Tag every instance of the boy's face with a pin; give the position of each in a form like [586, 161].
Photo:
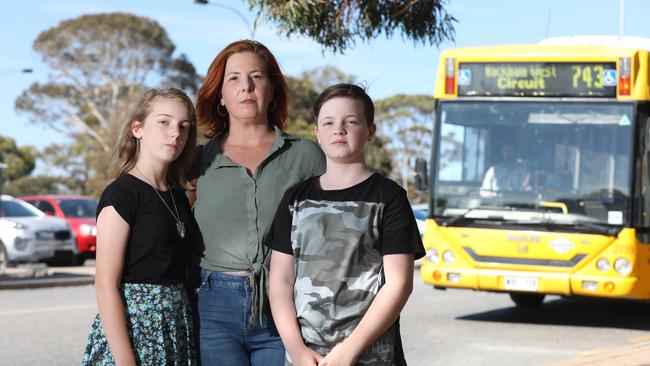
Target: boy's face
[342, 130]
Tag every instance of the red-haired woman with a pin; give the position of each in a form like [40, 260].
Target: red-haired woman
[245, 169]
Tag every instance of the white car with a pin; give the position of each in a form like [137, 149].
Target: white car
[421, 211]
[28, 235]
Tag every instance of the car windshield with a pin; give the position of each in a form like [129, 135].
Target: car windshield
[567, 162]
[78, 207]
[11, 208]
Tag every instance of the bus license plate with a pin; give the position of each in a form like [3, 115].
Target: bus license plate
[520, 283]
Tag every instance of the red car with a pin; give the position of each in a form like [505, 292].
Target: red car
[79, 211]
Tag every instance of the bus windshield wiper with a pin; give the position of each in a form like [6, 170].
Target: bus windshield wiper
[463, 217]
[590, 227]
[583, 226]
[598, 228]
[457, 218]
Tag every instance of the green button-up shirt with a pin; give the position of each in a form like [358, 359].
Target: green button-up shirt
[235, 211]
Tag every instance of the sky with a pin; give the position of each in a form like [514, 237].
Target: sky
[388, 66]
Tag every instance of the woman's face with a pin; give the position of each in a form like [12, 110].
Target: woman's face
[246, 91]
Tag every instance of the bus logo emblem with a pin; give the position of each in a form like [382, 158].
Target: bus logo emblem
[561, 245]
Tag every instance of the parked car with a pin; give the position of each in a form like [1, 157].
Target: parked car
[28, 235]
[420, 211]
[79, 212]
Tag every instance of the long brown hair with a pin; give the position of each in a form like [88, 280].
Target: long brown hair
[209, 95]
[127, 153]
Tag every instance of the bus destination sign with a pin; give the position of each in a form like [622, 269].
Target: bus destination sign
[537, 79]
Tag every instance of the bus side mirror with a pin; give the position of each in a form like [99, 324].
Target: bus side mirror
[421, 175]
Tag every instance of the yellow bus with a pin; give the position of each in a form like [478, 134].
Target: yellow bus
[539, 179]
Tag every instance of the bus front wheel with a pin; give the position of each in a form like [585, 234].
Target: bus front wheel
[527, 300]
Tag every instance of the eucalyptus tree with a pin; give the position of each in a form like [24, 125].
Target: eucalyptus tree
[337, 24]
[406, 121]
[99, 66]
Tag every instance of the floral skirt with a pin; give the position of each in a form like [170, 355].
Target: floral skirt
[159, 323]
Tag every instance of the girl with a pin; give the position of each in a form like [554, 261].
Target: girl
[145, 234]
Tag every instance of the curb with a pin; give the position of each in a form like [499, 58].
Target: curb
[40, 277]
[6, 282]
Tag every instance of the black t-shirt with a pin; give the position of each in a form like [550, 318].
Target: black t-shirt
[398, 232]
[155, 252]
[338, 239]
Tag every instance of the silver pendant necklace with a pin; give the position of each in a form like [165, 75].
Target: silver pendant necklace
[180, 226]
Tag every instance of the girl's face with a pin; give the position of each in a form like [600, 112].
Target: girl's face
[246, 91]
[342, 130]
[164, 131]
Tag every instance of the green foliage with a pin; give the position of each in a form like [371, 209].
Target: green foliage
[77, 162]
[41, 184]
[408, 121]
[100, 66]
[335, 24]
[378, 158]
[20, 161]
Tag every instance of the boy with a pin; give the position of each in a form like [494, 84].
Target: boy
[343, 248]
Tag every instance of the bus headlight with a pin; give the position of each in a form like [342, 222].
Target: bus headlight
[448, 256]
[603, 264]
[623, 266]
[433, 256]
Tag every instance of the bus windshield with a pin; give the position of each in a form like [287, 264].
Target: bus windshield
[526, 161]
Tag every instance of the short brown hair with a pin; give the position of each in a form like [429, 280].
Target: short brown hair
[351, 91]
[209, 95]
[127, 153]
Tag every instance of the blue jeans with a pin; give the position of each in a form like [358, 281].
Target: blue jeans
[226, 336]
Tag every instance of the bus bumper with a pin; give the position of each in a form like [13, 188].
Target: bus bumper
[555, 283]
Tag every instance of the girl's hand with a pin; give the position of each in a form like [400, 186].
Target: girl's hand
[306, 357]
[340, 355]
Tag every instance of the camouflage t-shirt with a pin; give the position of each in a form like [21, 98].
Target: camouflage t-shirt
[338, 238]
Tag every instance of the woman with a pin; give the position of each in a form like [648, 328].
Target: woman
[245, 169]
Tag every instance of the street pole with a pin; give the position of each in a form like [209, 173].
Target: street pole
[241, 16]
[621, 19]
[22, 71]
[3, 166]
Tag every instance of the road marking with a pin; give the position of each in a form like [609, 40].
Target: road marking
[511, 349]
[47, 310]
[638, 339]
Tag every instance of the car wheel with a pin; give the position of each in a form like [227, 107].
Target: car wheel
[79, 259]
[527, 300]
[62, 259]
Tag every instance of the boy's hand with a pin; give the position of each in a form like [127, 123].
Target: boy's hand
[340, 355]
[306, 357]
